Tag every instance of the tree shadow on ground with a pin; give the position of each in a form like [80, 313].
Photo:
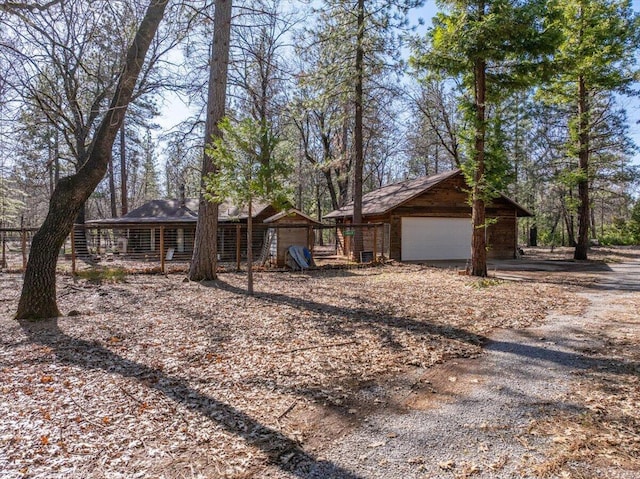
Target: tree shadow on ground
[364, 316]
[281, 451]
[596, 283]
[374, 321]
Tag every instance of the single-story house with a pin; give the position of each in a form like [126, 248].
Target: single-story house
[138, 232]
[430, 219]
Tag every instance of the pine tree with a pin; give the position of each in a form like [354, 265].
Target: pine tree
[597, 54]
[493, 47]
[204, 261]
[242, 174]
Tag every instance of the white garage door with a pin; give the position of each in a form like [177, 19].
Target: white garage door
[436, 238]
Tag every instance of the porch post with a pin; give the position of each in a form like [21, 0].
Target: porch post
[162, 249]
[238, 249]
[375, 244]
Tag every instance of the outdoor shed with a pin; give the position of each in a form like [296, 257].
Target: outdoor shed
[288, 228]
[429, 218]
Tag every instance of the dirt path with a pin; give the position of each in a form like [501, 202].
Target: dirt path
[472, 418]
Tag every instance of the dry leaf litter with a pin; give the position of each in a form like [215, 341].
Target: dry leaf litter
[155, 376]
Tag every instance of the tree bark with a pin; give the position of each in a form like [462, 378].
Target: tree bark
[204, 262]
[478, 215]
[250, 249]
[113, 201]
[38, 297]
[124, 195]
[582, 243]
[358, 135]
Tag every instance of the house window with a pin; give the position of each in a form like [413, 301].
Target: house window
[180, 240]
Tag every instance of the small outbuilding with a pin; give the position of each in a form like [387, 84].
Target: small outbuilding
[288, 228]
[429, 218]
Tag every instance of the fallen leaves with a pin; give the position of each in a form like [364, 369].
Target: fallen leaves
[605, 432]
[447, 465]
[166, 373]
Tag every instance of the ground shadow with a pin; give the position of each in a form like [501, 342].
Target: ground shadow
[361, 316]
[374, 320]
[93, 356]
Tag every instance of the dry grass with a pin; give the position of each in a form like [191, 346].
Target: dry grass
[158, 377]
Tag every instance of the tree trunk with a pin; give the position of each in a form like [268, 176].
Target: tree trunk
[594, 229]
[582, 243]
[335, 202]
[358, 169]
[319, 235]
[124, 195]
[113, 201]
[478, 217]
[250, 250]
[568, 222]
[38, 298]
[205, 262]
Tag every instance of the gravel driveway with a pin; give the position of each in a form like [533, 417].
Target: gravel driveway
[470, 418]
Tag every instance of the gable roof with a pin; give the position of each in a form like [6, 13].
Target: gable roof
[387, 198]
[172, 211]
[290, 212]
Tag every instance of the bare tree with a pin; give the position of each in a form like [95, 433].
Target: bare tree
[38, 298]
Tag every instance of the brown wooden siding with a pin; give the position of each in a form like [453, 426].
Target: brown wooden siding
[450, 199]
[301, 235]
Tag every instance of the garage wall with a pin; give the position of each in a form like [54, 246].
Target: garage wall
[449, 199]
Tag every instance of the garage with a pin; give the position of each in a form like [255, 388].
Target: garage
[435, 238]
[429, 218]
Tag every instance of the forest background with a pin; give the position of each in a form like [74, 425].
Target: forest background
[291, 69]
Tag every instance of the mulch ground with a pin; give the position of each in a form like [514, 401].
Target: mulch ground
[155, 376]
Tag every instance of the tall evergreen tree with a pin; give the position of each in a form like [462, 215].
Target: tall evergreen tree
[597, 54]
[204, 262]
[492, 47]
[362, 40]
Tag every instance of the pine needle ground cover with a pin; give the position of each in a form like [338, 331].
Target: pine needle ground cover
[155, 376]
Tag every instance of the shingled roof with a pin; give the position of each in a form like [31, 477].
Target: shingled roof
[387, 198]
[173, 211]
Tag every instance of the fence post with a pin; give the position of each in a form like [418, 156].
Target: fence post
[238, 237]
[375, 244]
[73, 250]
[23, 234]
[162, 249]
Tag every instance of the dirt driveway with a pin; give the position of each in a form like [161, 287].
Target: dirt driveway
[559, 400]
